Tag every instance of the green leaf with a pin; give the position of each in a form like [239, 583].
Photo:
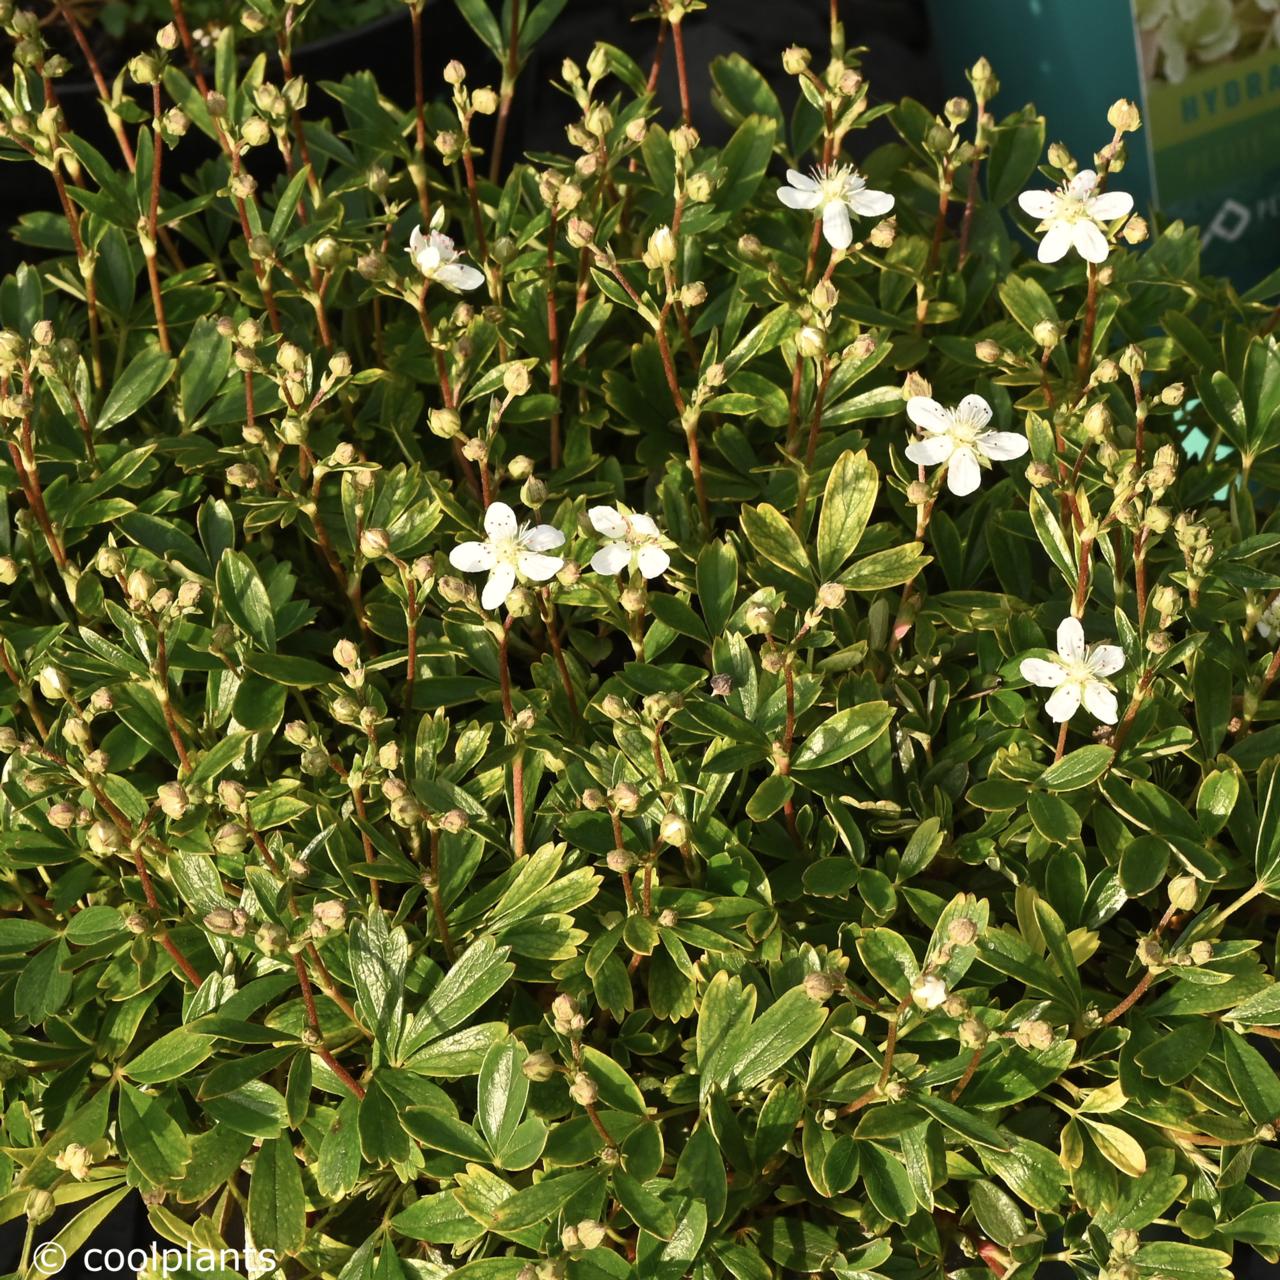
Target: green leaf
[244, 598]
[277, 1206]
[503, 1090]
[1077, 768]
[537, 1203]
[886, 1183]
[777, 1036]
[145, 375]
[157, 1146]
[843, 735]
[646, 1210]
[769, 533]
[1015, 152]
[169, 1057]
[478, 974]
[846, 507]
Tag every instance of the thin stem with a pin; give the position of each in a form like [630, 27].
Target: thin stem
[313, 1022]
[963, 1083]
[815, 426]
[153, 222]
[553, 338]
[1062, 741]
[682, 72]
[553, 635]
[420, 118]
[473, 198]
[1131, 999]
[509, 74]
[517, 763]
[1090, 322]
[166, 704]
[411, 622]
[437, 901]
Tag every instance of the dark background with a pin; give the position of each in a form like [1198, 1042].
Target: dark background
[901, 59]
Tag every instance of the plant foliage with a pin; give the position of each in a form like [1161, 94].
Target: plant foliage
[721, 900]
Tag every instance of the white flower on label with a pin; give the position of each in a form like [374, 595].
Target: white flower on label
[436, 256]
[959, 440]
[929, 992]
[835, 191]
[512, 550]
[634, 542]
[1073, 217]
[1078, 674]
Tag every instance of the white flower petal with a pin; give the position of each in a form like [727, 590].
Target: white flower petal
[1046, 675]
[460, 277]
[499, 586]
[1071, 640]
[1083, 183]
[542, 537]
[538, 568]
[801, 181]
[644, 526]
[931, 451]
[1001, 446]
[612, 558]
[1110, 205]
[1039, 204]
[836, 225]
[608, 521]
[1100, 702]
[974, 410]
[1089, 241]
[1056, 242]
[871, 204]
[653, 562]
[1106, 659]
[929, 414]
[500, 521]
[794, 199]
[964, 474]
[1064, 703]
[472, 557]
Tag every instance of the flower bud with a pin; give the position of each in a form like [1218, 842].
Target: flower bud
[962, 932]
[53, 684]
[172, 799]
[565, 1014]
[1124, 116]
[454, 72]
[928, 991]
[818, 986]
[62, 816]
[760, 619]
[661, 250]
[1034, 1034]
[583, 1090]
[974, 1033]
[230, 839]
[105, 838]
[1201, 952]
[39, 1206]
[329, 915]
[831, 595]
[1136, 230]
[625, 797]
[795, 60]
[884, 233]
[374, 543]
[539, 1067]
[987, 351]
[674, 829]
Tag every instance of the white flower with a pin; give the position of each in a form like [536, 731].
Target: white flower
[511, 550]
[633, 542]
[1270, 620]
[1073, 216]
[835, 191]
[959, 440]
[436, 257]
[75, 1160]
[929, 991]
[1076, 675]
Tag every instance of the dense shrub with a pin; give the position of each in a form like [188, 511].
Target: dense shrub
[540, 744]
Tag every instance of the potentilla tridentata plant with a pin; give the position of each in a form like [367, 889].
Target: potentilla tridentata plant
[657, 711]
